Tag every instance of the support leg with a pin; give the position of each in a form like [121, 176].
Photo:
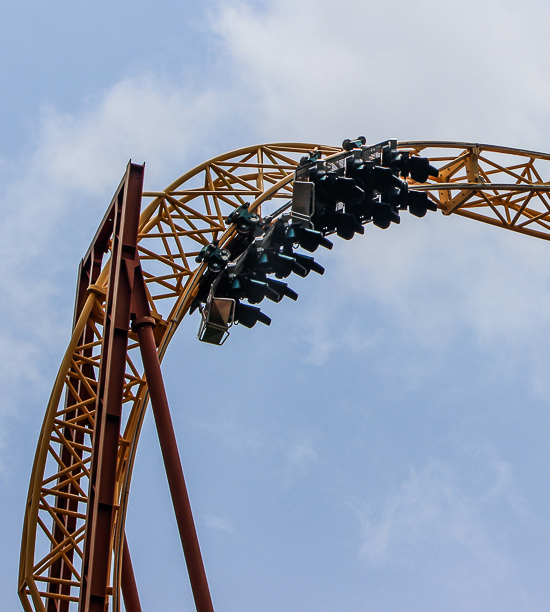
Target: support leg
[172, 464]
[128, 582]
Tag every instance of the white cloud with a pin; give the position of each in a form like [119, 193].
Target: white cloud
[147, 118]
[54, 199]
[301, 454]
[318, 335]
[218, 523]
[436, 520]
[233, 434]
[434, 279]
[320, 70]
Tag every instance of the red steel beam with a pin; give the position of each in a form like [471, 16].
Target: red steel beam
[101, 502]
[128, 582]
[143, 325]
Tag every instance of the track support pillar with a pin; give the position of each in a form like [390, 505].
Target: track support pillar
[101, 512]
[143, 326]
[128, 582]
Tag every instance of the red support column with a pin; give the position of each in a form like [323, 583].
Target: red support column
[128, 582]
[101, 502]
[174, 472]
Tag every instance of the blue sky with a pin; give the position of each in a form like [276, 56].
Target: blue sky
[383, 446]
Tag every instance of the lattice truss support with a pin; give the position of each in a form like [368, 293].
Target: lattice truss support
[500, 186]
[497, 185]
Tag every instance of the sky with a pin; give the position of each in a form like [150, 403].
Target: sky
[383, 445]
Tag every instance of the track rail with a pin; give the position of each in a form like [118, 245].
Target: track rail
[496, 185]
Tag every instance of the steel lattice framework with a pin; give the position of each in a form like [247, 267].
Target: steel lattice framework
[500, 186]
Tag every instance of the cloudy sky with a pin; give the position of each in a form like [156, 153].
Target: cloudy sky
[383, 446]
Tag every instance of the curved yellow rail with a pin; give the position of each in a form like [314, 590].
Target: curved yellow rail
[496, 185]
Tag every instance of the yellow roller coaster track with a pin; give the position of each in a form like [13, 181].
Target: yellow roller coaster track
[497, 185]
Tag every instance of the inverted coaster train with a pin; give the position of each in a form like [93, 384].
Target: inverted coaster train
[74, 553]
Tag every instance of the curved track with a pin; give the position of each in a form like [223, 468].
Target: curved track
[496, 185]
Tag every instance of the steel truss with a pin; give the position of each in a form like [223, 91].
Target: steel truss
[91, 429]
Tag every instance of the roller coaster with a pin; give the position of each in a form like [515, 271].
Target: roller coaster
[224, 232]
